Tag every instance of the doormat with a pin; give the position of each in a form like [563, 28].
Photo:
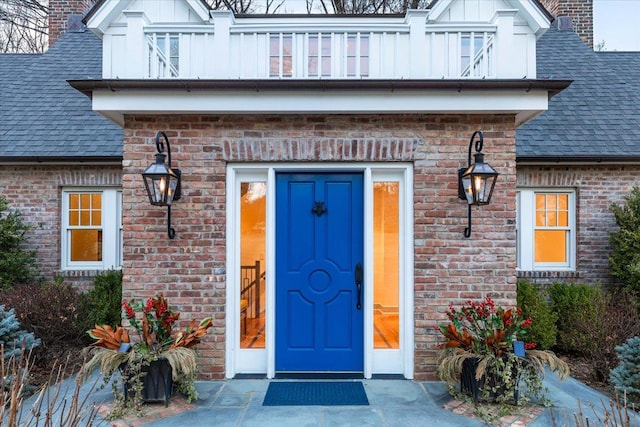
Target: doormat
[315, 393]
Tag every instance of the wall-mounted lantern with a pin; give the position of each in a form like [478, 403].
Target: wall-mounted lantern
[476, 182]
[161, 181]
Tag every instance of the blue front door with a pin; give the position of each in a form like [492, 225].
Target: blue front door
[319, 249]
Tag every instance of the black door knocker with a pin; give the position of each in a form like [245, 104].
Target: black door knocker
[319, 208]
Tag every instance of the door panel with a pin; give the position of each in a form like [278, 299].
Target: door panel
[318, 325]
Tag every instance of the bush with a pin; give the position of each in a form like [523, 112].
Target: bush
[102, 305]
[624, 261]
[16, 264]
[48, 310]
[626, 376]
[574, 305]
[592, 322]
[533, 304]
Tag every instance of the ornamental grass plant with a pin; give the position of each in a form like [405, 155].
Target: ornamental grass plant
[114, 351]
[490, 334]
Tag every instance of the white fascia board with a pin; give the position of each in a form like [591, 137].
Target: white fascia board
[108, 11]
[440, 7]
[200, 9]
[536, 19]
[115, 105]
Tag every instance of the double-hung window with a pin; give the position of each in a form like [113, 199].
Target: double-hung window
[546, 230]
[91, 229]
[281, 55]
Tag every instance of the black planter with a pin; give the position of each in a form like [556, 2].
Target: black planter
[470, 386]
[157, 382]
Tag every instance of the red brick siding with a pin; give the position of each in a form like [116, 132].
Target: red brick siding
[580, 11]
[190, 269]
[597, 187]
[59, 11]
[36, 192]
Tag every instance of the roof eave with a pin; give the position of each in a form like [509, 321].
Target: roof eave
[573, 160]
[189, 85]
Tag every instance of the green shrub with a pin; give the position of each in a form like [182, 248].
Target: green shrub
[574, 305]
[102, 305]
[16, 264]
[626, 376]
[624, 261]
[533, 304]
[592, 322]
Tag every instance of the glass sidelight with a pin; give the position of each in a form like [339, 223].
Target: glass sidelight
[386, 265]
[252, 264]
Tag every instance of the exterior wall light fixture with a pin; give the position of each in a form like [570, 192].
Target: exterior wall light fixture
[476, 181]
[161, 181]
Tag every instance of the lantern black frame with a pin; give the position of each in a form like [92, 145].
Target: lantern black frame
[478, 172]
[171, 190]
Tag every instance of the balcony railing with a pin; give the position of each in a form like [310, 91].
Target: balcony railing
[229, 47]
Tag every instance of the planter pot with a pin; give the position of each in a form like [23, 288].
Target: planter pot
[470, 386]
[157, 383]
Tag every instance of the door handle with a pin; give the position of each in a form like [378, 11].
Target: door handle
[358, 279]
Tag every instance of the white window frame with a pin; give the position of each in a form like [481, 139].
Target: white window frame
[111, 230]
[525, 223]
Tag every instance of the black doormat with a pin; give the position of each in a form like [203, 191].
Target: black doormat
[315, 393]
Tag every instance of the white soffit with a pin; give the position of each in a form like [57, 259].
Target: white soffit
[115, 105]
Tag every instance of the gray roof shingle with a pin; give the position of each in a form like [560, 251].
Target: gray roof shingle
[43, 118]
[598, 117]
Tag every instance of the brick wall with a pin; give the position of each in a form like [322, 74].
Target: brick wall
[59, 11]
[597, 187]
[581, 13]
[36, 192]
[190, 269]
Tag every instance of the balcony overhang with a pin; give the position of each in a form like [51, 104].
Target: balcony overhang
[118, 97]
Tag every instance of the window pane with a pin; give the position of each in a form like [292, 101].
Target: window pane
[96, 217]
[326, 66]
[287, 70]
[351, 45]
[74, 201]
[563, 202]
[386, 266]
[563, 219]
[274, 67]
[540, 202]
[252, 259]
[326, 46]
[274, 46]
[313, 67]
[86, 245]
[540, 219]
[364, 46]
[85, 201]
[85, 217]
[364, 67]
[313, 45]
[550, 246]
[74, 218]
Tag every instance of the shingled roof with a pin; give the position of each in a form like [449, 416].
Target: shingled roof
[44, 119]
[596, 119]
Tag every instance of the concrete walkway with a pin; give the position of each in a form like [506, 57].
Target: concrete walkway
[391, 403]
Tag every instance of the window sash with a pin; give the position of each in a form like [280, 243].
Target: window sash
[537, 223]
[105, 219]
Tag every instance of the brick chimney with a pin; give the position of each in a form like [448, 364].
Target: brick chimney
[59, 13]
[580, 12]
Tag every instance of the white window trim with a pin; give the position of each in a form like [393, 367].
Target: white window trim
[376, 361]
[526, 226]
[111, 230]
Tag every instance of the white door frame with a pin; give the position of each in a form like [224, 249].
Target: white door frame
[376, 361]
